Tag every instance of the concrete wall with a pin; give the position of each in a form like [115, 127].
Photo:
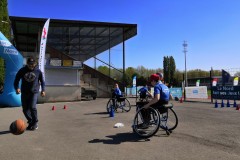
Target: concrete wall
[62, 76]
[61, 93]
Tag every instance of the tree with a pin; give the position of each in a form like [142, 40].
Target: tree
[172, 69]
[116, 75]
[5, 29]
[217, 73]
[104, 70]
[178, 78]
[142, 81]
[4, 19]
[166, 68]
[237, 74]
[130, 73]
[169, 68]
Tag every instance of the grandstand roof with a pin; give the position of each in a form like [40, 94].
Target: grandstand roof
[80, 40]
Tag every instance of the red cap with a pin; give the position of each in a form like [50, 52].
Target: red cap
[154, 77]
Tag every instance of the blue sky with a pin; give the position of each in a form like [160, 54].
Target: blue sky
[210, 27]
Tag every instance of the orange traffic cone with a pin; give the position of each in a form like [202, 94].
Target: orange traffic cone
[65, 107]
[181, 100]
[53, 108]
[237, 108]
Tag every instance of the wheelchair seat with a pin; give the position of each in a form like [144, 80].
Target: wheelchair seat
[121, 99]
[141, 103]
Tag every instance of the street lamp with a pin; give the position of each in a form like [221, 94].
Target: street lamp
[185, 52]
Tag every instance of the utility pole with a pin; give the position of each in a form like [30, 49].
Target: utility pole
[185, 52]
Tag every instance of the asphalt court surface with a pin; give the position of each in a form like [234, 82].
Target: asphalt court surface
[85, 131]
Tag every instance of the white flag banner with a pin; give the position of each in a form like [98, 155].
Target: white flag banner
[41, 60]
[235, 81]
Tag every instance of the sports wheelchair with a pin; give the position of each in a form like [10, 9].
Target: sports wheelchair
[121, 103]
[147, 122]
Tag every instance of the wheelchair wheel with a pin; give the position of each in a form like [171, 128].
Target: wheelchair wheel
[148, 125]
[109, 104]
[126, 106]
[169, 119]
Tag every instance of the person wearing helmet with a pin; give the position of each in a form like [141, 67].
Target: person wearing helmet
[161, 93]
[160, 76]
[116, 94]
[144, 93]
[161, 96]
[161, 81]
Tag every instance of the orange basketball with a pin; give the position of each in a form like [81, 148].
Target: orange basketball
[17, 127]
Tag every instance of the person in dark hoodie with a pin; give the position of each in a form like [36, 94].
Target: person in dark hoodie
[31, 78]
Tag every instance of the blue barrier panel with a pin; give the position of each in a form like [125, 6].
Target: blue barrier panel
[176, 92]
[13, 62]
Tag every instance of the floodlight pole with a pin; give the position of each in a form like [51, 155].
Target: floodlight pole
[185, 53]
[124, 76]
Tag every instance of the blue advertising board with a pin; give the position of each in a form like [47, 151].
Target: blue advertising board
[176, 92]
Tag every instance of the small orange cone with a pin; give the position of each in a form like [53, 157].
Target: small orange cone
[238, 107]
[53, 108]
[65, 107]
[181, 100]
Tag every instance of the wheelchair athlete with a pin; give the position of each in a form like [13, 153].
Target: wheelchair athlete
[144, 93]
[116, 94]
[161, 97]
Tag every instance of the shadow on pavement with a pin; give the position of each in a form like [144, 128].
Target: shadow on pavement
[100, 113]
[4, 132]
[120, 138]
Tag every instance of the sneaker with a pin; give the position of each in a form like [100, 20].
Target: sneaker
[29, 127]
[34, 127]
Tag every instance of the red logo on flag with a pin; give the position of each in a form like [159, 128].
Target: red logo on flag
[44, 33]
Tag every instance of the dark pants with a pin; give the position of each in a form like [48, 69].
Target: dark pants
[158, 106]
[29, 101]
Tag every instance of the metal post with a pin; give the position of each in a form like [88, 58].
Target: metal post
[109, 62]
[95, 48]
[124, 81]
[185, 52]
[184, 88]
[211, 74]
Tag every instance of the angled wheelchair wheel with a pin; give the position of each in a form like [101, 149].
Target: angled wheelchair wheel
[109, 104]
[126, 106]
[169, 119]
[146, 122]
